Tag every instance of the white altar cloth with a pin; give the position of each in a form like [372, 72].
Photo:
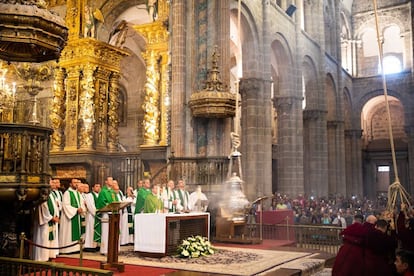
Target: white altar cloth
[151, 230]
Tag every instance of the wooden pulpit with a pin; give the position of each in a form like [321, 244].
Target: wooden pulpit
[113, 235]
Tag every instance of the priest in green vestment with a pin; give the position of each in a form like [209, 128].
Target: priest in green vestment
[105, 197]
[142, 194]
[153, 202]
[70, 222]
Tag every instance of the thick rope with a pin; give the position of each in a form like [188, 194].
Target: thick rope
[48, 247]
[395, 190]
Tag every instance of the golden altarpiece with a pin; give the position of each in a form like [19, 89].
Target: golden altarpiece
[85, 111]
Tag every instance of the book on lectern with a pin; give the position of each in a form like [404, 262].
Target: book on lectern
[114, 206]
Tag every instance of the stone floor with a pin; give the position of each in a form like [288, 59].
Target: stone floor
[314, 263]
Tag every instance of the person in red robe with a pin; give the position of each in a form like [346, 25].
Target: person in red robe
[379, 249]
[350, 257]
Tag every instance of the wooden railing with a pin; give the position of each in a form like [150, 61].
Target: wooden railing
[22, 267]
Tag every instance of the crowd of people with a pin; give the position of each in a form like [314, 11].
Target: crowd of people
[374, 241]
[330, 210]
[74, 215]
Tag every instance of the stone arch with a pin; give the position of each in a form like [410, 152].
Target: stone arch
[376, 143]
[331, 99]
[310, 83]
[281, 66]
[358, 107]
[114, 10]
[249, 40]
[347, 110]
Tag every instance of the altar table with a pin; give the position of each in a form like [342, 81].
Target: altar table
[160, 234]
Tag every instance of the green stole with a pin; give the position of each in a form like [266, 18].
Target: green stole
[171, 197]
[52, 212]
[180, 194]
[83, 222]
[130, 220]
[76, 222]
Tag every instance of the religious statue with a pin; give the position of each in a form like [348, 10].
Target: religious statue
[118, 35]
[152, 7]
[90, 20]
[89, 24]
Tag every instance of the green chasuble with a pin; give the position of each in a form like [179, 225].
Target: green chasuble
[105, 197]
[139, 204]
[152, 204]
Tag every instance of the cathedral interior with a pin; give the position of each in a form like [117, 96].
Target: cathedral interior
[169, 89]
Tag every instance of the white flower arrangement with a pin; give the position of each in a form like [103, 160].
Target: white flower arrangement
[194, 247]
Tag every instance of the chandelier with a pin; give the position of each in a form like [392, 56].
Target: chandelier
[29, 32]
[7, 94]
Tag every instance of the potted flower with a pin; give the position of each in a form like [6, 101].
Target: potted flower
[194, 247]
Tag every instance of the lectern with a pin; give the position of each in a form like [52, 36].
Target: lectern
[113, 236]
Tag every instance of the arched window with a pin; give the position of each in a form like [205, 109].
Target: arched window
[392, 65]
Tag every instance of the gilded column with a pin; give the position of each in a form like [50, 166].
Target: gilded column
[74, 13]
[71, 129]
[156, 87]
[101, 108]
[58, 110]
[113, 118]
[86, 108]
[151, 103]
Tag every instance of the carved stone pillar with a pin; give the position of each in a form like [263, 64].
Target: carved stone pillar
[316, 152]
[290, 144]
[179, 136]
[353, 147]
[255, 138]
[336, 158]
